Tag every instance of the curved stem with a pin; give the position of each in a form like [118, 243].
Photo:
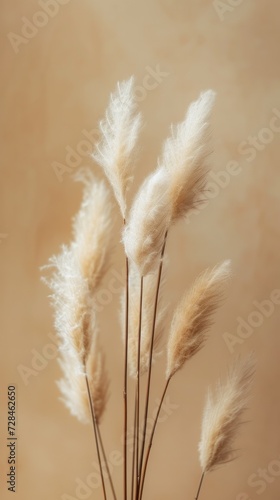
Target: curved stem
[151, 438]
[200, 485]
[95, 425]
[151, 358]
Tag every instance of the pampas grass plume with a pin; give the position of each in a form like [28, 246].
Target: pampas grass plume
[186, 156]
[222, 415]
[78, 271]
[148, 222]
[119, 133]
[193, 317]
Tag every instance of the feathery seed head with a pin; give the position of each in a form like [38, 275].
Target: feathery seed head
[119, 133]
[193, 317]
[78, 271]
[223, 413]
[148, 223]
[185, 156]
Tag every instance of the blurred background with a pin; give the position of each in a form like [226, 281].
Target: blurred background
[60, 61]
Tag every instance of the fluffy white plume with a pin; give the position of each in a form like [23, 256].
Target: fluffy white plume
[78, 271]
[222, 415]
[149, 220]
[185, 156]
[119, 133]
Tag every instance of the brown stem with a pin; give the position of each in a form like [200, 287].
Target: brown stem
[151, 359]
[106, 462]
[95, 425]
[138, 384]
[125, 378]
[134, 472]
[200, 485]
[151, 439]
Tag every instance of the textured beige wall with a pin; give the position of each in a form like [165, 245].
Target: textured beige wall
[55, 85]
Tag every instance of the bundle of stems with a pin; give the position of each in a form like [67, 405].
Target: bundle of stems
[168, 195]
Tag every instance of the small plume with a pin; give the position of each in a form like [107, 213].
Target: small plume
[148, 223]
[193, 317]
[186, 156]
[222, 415]
[119, 133]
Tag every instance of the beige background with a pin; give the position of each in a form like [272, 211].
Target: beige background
[56, 86]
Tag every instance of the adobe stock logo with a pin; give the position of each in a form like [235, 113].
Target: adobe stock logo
[261, 479]
[223, 7]
[74, 155]
[30, 28]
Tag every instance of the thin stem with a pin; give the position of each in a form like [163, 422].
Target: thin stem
[138, 384]
[95, 425]
[151, 358]
[134, 472]
[106, 462]
[151, 438]
[125, 378]
[200, 485]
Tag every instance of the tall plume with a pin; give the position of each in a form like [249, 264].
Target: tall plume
[119, 133]
[193, 317]
[173, 189]
[78, 271]
[186, 156]
[223, 414]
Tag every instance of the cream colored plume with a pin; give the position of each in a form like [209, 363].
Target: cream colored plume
[193, 317]
[149, 291]
[149, 220]
[119, 133]
[78, 271]
[222, 415]
[186, 156]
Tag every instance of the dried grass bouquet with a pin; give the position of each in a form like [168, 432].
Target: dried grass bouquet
[169, 193]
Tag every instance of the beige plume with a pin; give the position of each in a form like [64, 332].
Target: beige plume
[222, 415]
[186, 156]
[173, 189]
[119, 133]
[149, 220]
[78, 271]
[193, 317]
